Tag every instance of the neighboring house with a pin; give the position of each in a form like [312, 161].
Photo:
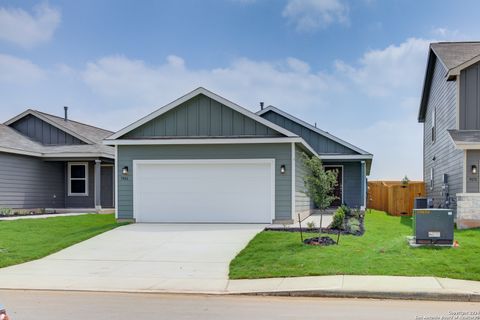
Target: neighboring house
[450, 113]
[50, 162]
[203, 158]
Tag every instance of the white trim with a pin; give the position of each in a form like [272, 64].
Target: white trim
[456, 71]
[44, 118]
[95, 182]
[23, 152]
[313, 128]
[346, 157]
[465, 171]
[70, 194]
[76, 154]
[115, 175]
[458, 102]
[293, 169]
[136, 163]
[343, 169]
[365, 185]
[189, 96]
[208, 141]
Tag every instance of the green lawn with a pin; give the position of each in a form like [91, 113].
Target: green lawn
[30, 239]
[382, 250]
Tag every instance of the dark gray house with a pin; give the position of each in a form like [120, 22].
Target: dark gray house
[50, 162]
[450, 113]
[203, 158]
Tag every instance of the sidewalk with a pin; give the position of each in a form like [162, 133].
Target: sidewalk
[383, 287]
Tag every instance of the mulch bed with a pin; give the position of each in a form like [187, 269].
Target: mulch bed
[319, 241]
[324, 230]
[23, 214]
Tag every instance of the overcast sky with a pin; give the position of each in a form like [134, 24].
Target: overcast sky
[353, 67]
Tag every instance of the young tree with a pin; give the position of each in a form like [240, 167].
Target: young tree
[320, 184]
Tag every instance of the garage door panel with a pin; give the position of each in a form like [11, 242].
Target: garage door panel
[204, 192]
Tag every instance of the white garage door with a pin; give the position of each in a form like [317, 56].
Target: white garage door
[231, 191]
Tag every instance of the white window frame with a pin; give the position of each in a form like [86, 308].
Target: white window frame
[432, 172]
[434, 124]
[70, 164]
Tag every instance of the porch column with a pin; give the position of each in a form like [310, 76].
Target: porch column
[98, 186]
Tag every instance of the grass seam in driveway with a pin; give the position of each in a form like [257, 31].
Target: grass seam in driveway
[382, 250]
[30, 239]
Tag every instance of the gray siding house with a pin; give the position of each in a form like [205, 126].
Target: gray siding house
[54, 163]
[450, 113]
[205, 159]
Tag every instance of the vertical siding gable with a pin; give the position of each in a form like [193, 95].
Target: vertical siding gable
[202, 116]
[470, 98]
[43, 132]
[318, 142]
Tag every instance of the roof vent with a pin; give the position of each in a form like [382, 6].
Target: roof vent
[315, 124]
[66, 113]
[261, 105]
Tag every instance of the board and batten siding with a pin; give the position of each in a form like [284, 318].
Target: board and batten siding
[318, 142]
[30, 183]
[448, 160]
[302, 200]
[469, 113]
[279, 151]
[43, 132]
[202, 116]
[352, 182]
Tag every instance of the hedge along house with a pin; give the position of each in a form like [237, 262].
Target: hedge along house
[54, 163]
[205, 159]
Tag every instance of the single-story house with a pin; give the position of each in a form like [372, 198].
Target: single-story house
[54, 163]
[203, 158]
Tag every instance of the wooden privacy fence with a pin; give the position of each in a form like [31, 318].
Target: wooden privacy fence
[394, 197]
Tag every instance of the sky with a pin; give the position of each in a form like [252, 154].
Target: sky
[355, 68]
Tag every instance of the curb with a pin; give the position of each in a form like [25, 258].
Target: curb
[394, 295]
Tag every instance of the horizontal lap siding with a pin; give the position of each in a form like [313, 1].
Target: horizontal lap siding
[302, 200]
[28, 182]
[280, 152]
[202, 117]
[83, 201]
[447, 159]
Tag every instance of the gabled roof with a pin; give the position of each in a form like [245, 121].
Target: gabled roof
[189, 96]
[13, 141]
[84, 132]
[454, 56]
[315, 129]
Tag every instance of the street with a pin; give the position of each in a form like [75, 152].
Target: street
[52, 305]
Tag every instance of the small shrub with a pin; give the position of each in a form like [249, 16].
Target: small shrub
[346, 210]
[338, 219]
[310, 225]
[356, 213]
[5, 211]
[353, 225]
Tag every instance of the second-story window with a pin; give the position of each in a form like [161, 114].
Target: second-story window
[434, 120]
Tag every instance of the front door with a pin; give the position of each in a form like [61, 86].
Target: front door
[338, 191]
[107, 185]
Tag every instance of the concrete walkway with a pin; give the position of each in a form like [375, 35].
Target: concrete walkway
[42, 216]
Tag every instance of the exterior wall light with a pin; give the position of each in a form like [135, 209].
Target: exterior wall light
[125, 171]
[474, 169]
[282, 169]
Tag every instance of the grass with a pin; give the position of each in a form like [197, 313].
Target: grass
[29, 239]
[382, 250]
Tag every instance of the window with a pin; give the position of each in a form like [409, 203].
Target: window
[78, 179]
[434, 120]
[431, 178]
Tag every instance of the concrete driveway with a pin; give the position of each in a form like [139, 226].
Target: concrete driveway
[140, 257]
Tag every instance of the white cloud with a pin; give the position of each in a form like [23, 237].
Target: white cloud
[311, 15]
[372, 103]
[16, 71]
[447, 34]
[385, 72]
[26, 29]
